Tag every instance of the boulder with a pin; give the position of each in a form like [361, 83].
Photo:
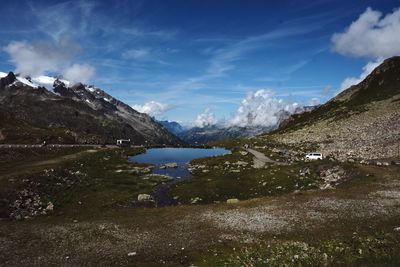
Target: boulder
[144, 197]
[171, 165]
[232, 201]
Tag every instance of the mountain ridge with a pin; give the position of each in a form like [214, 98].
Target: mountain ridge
[363, 121]
[76, 114]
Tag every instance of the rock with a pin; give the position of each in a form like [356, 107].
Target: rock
[241, 163]
[397, 229]
[195, 200]
[50, 206]
[171, 165]
[232, 201]
[130, 254]
[205, 171]
[144, 197]
[243, 153]
[326, 187]
[235, 170]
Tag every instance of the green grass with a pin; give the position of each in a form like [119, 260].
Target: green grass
[221, 183]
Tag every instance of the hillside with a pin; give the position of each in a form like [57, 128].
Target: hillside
[361, 122]
[59, 113]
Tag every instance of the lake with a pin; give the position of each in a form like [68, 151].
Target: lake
[181, 156]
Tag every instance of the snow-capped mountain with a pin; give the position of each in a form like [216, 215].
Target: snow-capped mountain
[54, 109]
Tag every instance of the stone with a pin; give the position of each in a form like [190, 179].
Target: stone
[232, 201]
[171, 165]
[144, 197]
[195, 200]
[50, 206]
[130, 254]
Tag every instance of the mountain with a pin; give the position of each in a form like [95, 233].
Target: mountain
[361, 122]
[209, 133]
[172, 126]
[45, 108]
[203, 135]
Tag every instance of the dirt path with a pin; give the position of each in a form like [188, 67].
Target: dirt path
[260, 159]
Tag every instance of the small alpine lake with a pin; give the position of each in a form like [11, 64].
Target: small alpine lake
[181, 156]
[159, 157]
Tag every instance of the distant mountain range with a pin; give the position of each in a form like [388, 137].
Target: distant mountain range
[33, 110]
[203, 135]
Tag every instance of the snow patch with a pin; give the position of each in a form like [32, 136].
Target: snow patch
[3, 74]
[27, 82]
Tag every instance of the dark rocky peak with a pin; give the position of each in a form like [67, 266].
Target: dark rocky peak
[9, 79]
[58, 82]
[382, 83]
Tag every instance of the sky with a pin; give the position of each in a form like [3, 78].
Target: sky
[203, 62]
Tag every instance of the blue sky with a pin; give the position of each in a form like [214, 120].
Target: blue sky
[190, 55]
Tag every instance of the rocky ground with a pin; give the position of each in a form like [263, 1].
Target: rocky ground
[373, 134]
[84, 211]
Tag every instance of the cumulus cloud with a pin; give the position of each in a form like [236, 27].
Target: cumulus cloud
[206, 118]
[79, 73]
[261, 108]
[314, 101]
[152, 108]
[35, 59]
[371, 36]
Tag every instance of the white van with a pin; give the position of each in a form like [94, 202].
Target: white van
[314, 156]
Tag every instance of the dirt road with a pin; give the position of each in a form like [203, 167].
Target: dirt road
[260, 159]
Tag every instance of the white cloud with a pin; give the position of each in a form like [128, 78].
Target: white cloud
[152, 108]
[79, 73]
[137, 54]
[370, 36]
[37, 58]
[261, 108]
[205, 119]
[314, 101]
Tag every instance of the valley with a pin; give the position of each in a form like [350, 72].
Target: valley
[85, 210]
[80, 200]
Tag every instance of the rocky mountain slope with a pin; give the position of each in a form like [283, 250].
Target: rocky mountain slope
[361, 122]
[46, 108]
[172, 126]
